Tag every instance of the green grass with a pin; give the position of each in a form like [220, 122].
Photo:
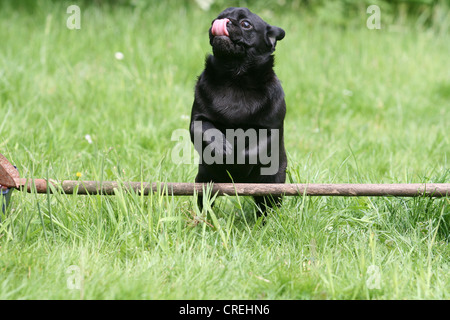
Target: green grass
[364, 106]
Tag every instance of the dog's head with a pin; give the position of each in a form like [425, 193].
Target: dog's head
[238, 33]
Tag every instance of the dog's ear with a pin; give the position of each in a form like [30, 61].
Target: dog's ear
[273, 34]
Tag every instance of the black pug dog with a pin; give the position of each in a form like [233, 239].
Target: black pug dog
[239, 108]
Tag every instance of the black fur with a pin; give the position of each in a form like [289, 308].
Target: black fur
[238, 89]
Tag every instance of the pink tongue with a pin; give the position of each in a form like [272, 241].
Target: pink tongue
[219, 27]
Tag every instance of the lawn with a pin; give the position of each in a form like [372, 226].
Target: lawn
[363, 106]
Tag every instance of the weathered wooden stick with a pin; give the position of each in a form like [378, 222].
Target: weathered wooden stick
[243, 189]
[9, 178]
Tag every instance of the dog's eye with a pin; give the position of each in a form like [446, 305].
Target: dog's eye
[246, 25]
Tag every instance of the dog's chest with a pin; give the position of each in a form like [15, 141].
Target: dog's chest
[238, 106]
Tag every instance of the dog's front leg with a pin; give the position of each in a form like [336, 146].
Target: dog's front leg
[210, 142]
[212, 147]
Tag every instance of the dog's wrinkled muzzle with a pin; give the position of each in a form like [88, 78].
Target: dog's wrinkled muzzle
[219, 27]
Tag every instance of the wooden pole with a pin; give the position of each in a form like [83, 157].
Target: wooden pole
[9, 178]
[242, 189]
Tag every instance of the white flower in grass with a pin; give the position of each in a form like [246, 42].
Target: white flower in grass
[204, 4]
[119, 55]
[88, 138]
